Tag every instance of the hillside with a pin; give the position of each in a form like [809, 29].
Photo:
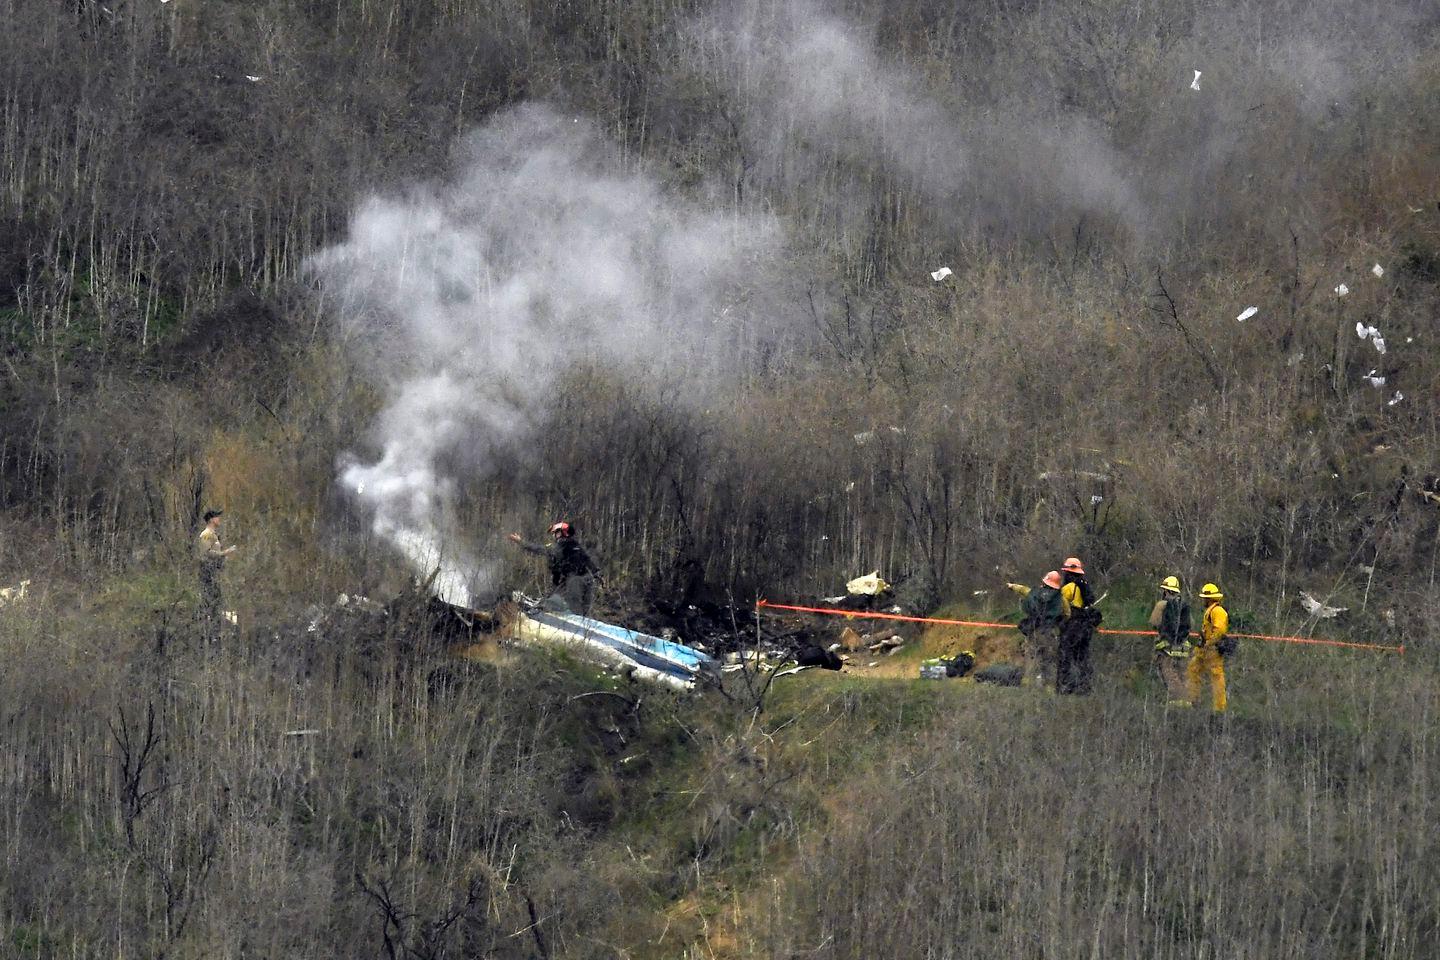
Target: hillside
[760, 297]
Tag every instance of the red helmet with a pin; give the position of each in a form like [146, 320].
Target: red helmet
[1052, 579]
[1073, 565]
[561, 528]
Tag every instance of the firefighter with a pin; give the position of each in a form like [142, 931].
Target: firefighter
[1170, 618]
[572, 572]
[211, 554]
[1074, 672]
[1215, 645]
[1045, 612]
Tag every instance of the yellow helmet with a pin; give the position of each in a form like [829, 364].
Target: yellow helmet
[1170, 583]
[1211, 592]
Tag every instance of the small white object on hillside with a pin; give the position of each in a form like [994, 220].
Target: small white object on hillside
[1379, 343]
[1316, 608]
[1195, 84]
[1364, 332]
[1247, 313]
[1095, 499]
[1378, 270]
[1374, 380]
[253, 79]
[941, 274]
[1341, 290]
[1395, 399]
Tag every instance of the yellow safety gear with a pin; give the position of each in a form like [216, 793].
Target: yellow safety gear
[1207, 659]
[1211, 592]
[1071, 593]
[1214, 626]
[1170, 583]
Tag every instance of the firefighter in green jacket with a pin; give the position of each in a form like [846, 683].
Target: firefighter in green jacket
[1045, 612]
[1170, 618]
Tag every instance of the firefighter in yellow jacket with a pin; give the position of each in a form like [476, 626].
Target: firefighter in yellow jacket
[1210, 653]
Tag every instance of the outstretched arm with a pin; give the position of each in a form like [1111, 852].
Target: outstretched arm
[526, 545]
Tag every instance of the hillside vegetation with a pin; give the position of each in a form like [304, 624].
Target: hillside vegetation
[363, 270]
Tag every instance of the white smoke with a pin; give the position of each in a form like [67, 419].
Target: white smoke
[818, 99]
[471, 298]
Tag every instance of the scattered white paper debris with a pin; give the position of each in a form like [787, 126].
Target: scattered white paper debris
[978, 593]
[1414, 209]
[941, 274]
[1095, 499]
[1395, 399]
[1374, 380]
[850, 487]
[1316, 608]
[1409, 339]
[1195, 84]
[1372, 334]
[253, 79]
[232, 617]
[1247, 313]
[1341, 290]
[1378, 270]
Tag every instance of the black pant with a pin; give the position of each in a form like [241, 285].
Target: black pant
[573, 595]
[1074, 672]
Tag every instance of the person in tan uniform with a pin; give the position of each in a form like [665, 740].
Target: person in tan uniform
[211, 553]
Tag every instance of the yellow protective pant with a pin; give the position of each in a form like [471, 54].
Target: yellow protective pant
[1207, 660]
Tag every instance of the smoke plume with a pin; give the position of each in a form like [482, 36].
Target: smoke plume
[470, 299]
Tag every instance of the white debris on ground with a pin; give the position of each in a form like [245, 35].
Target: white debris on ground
[231, 617]
[1247, 313]
[1317, 609]
[941, 274]
[253, 79]
[1373, 380]
[307, 732]
[1395, 399]
[867, 586]
[865, 437]
[10, 595]
[1378, 270]
[1096, 499]
[1372, 334]
[1341, 290]
[1195, 84]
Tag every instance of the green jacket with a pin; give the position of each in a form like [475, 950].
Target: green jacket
[1044, 607]
[1173, 634]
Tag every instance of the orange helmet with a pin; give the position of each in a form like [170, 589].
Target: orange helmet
[1052, 579]
[1073, 565]
[561, 528]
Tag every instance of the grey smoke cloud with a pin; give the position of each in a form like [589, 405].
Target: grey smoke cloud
[471, 298]
[1028, 134]
[816, 90]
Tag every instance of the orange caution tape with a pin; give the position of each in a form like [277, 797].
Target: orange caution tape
[866, 615]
